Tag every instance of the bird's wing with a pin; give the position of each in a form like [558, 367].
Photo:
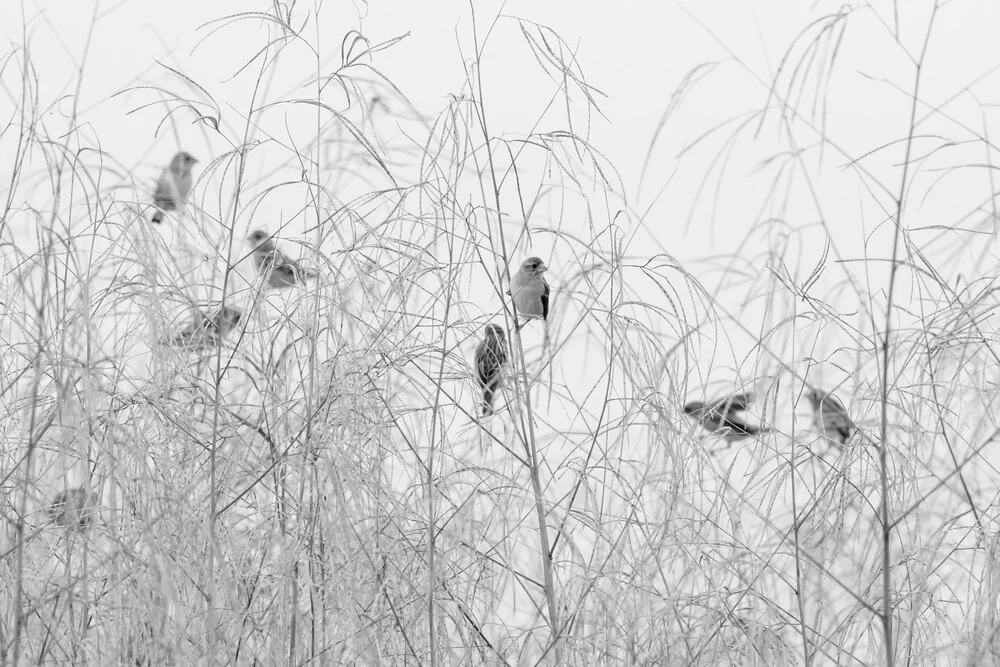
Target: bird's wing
[221, 321]
[183, 183]
[165, 196]
[268, 258]
[835, 418]
[229, 319]
[487, 363]
[545, 300]
[280, 275]
[268, 246]
[284, 260]
[739, 426]
[833, 404]
[845, 431]
[734, 402]
[194, 330]
[482, 365]
[303, 273]
[490, 357]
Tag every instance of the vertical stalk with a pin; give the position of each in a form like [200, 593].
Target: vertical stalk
[886, 344]
[530, 442]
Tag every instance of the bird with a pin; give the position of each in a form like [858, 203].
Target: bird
[173, 186]
[491, 355]
[207, 330]
[722, 416]
[281, 271]
[530, 291]
[73, 508]
[830, 416]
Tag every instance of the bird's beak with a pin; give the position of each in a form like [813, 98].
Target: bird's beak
[542, 268]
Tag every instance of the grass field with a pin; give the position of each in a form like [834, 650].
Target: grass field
[317, 486]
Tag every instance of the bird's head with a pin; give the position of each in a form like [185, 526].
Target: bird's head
[695, 408]
[533, 266]
[258, 236]
[182, 162]
[815, 397]
[494, 331]
[232, 315]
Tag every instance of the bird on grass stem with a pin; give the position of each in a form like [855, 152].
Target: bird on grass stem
[725, 416]
[73, 509]
[173, 186]
[530, 291]
[491, 355]
[206, 330]
[281, 271]
[830, 417]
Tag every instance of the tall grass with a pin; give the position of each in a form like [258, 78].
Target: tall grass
[318, 488]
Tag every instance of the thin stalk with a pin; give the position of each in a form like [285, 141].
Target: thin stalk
[217, 392]
[886, 343]
[530, 441]
[431, 524]
[799, 597]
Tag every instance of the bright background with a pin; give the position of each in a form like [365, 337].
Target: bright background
[750, 153]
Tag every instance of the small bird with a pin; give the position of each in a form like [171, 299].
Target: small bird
[174, 185]
[491, 355]
[830, 416]
[206, 330]
[530, 291]
[722, 416]
[281, 271]
[73, 508]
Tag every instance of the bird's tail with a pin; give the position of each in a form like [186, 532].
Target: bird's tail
[157, 217]
[489, 392]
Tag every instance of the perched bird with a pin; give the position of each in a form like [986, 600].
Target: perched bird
[206, 330]
[724, 416]
[174, 185]
[491, 355]
[530, 291]
[73, 508]
[830, 416]
[281, 271]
